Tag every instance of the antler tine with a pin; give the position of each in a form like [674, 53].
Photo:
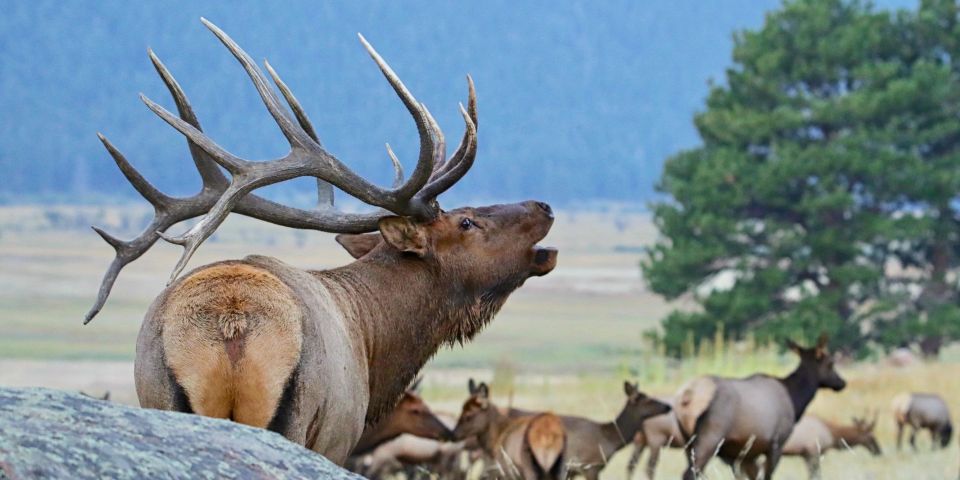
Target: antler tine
[295, 135]
[397, 167]
[440, 147]
[142, 186]
[458, 165]
[206, 166]
[421, 174]
[324, 188]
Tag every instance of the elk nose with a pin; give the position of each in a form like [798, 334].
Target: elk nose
[546, 208]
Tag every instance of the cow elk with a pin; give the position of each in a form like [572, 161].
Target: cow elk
[530, 447]
[316, 355]
[813, 436]
[741, 419]
[590, 444]
[922, 411]
[412, 416]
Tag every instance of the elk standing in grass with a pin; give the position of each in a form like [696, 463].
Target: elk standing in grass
[741, 419]
[812, 436]
[411, 415]
[524, 446]
[922, 411]
[590, 444]
[657, 433]
[316, 355]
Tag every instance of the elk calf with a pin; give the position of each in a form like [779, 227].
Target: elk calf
[812, 436]
[742, 419]
[530, 447]
[922, 411]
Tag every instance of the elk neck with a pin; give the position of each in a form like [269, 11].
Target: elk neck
[618, 433]
[801, 385]
[489, 437]
[401, 311]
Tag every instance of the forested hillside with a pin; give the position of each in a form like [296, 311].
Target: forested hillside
[578, 100]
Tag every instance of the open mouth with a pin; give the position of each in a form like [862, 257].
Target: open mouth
[544, 260]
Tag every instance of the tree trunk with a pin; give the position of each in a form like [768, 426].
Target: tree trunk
[53, 434]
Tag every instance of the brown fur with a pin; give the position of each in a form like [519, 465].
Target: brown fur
[225, 372]
[546, 439]
[411, 415]
[813, 436]
[520, 448]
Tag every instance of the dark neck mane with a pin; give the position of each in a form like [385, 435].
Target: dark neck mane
[403, 311]
[801, 385]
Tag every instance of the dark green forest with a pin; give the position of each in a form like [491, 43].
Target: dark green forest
[578, 101]
[824, 194]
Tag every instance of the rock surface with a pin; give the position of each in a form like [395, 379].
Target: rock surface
[54, 434]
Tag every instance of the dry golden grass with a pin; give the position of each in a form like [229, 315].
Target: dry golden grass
[564, 342]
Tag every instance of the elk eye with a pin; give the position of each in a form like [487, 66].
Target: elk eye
[466, 224]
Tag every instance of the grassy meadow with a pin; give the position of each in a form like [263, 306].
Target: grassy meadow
[564, 342]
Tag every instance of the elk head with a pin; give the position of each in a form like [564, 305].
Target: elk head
[413, 416]
[639, 407]
[492, 249]
[863, 435]
[819, 363]
[478, 412]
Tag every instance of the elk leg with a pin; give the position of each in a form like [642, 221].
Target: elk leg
[652, 462]
[634, 458]
[813, 466]
[699, 454]
[750, 470]
[913, 437]
[899, 435]
[773, 459]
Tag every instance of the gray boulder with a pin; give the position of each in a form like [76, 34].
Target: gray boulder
[54, 434]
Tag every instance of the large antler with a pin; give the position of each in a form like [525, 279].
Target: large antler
[219, 196]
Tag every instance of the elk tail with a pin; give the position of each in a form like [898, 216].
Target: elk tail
[546, 439]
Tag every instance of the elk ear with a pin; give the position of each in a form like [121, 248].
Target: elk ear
[404, 235]
[629, 388]
[415, 386]
[360, 244]
[471, 387]
[483, 391]
[822, 345]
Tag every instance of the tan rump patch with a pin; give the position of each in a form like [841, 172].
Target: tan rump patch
[901, 406]
[232, 336]
[546, 437]
[692, 400]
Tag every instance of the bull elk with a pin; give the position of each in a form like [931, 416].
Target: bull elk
[316, 355]
[526, 446]
[922, 411]
[739, 420]
[411, 415]
[813, 436]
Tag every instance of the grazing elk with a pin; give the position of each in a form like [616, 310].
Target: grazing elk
[922, 411]
[449, 460]
[812, 436]
[316, 355]
[742, 419]
[658, 432]
[411, 415]
[527, 446]
[590, 444]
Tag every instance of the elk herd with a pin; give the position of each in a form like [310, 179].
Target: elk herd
[327, 358]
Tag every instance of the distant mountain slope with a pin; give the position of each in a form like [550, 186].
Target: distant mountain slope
[577, 99]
